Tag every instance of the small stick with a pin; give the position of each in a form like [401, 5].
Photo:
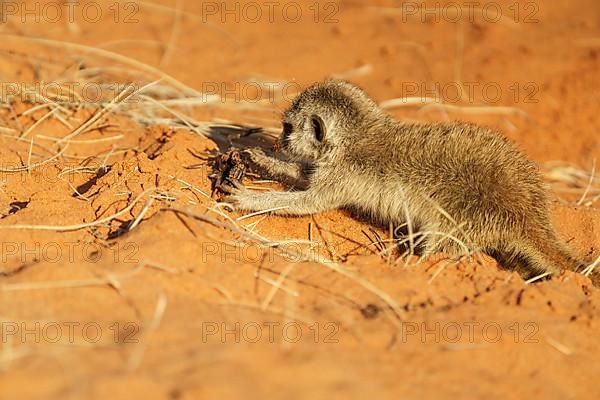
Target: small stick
[66, 228]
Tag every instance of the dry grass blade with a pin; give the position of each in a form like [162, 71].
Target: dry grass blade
[257, 213]
[409, 225]
[67, 228]
[272, 282]
[355, 72]
[191, 187]
[189, 122]
[380, 240]
[30, 166]
[82, 141]
[122, 97]
[277, 285]
[538, 277]
[591, 268]
[148, 69]
[140, 216]
[201, 19]
[136, 358]
[301, 255]
[110, 107]
[373, 242]
[559, 346]
[439, 270]
[7, 131]
[479, 110]
[175, 32]
[407, 102]
[576, 180]
[110, 279]
[272, 310]
[589, 185]
[37, 123]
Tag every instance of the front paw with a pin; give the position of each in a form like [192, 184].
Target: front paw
[235, 194]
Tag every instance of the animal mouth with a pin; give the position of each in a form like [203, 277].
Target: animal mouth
[284, 138]
[283, 143]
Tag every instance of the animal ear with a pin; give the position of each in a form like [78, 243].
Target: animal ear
[318, 127]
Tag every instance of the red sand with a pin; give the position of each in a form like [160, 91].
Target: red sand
[178, 308]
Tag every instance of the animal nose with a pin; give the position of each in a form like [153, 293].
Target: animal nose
[284, 138]
[281, 142]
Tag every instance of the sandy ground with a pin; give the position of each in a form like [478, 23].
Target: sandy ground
[122, 278]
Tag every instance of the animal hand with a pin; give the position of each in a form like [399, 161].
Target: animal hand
[235, 193]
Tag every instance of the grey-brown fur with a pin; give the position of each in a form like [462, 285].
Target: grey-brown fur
[449, 178]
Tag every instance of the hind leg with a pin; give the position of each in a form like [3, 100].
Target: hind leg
[431, 239]
[445, 241]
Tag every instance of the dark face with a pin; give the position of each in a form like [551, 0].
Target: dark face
[322, 117]
[304, 133]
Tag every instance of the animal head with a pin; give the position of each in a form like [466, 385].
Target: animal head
[324, 117]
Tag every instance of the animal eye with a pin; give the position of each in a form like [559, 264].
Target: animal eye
[287, 128]
[318, 129]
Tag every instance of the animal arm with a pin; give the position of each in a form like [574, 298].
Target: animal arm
[289, 172]
[287, 203]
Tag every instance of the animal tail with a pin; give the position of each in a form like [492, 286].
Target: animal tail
[532, 258]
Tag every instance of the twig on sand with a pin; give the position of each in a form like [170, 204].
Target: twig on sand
[138, 354]
[67, 228]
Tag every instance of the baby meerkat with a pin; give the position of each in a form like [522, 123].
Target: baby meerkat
[457, 184]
